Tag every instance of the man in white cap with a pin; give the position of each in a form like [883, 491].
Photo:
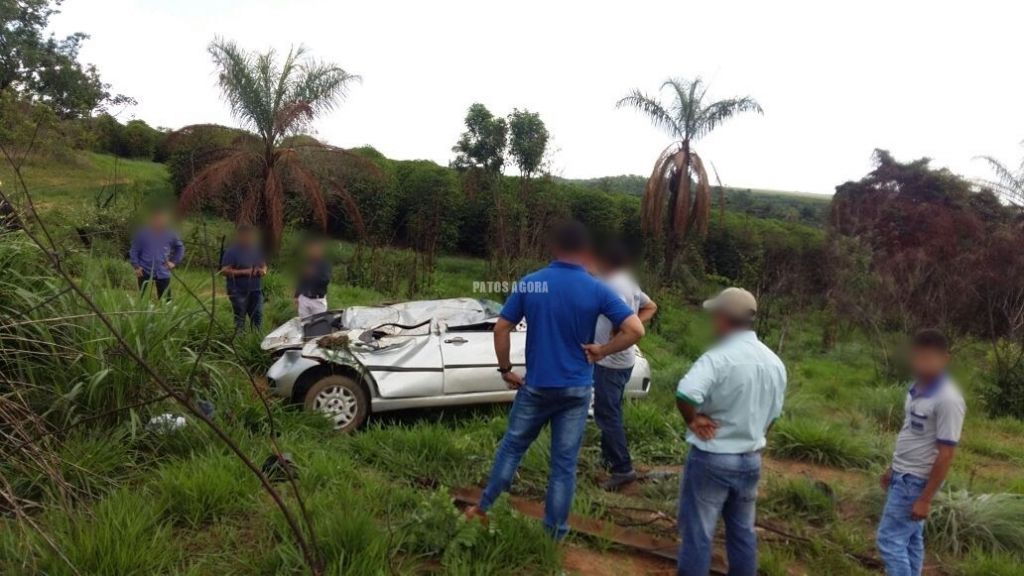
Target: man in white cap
[729, 399]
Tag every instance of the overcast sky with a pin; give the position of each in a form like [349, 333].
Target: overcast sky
[836, 79]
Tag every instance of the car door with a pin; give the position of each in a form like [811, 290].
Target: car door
[469, 363]
[404, 366]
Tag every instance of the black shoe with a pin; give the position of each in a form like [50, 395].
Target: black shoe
[615, 482]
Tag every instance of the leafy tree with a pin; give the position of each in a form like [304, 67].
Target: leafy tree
[482, 145]
[46, 68]
[528, 140]
[275, 99]
[687, 119]
[480, 156]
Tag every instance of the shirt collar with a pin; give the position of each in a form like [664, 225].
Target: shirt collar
[564, 264]
[740, 335]
[929, 389]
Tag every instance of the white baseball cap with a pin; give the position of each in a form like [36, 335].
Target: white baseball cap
[735, 303]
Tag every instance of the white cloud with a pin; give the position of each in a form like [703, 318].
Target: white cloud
[836, 79]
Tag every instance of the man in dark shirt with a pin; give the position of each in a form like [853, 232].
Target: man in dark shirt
[244, 267]
[311, 290]
[156, 249]
[561, 304]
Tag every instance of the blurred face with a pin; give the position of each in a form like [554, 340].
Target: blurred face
[245, 237]
[928, 363]
[721, 325]
[159, 220]
[315, 250]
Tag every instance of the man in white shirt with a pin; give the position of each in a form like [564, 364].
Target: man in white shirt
[612, 373]
[729, 399]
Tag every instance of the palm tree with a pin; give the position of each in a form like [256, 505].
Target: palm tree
[274, 100]
[1008, 184]
[679, 167]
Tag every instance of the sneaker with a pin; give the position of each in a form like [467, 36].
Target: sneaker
[615, 482]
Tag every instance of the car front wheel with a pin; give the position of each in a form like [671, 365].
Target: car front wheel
[341, 399]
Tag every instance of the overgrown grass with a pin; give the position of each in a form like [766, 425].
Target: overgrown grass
[800, 498]
[204, 489]
[961, 522]
[821, 442]
[984, 564]
[123, 535]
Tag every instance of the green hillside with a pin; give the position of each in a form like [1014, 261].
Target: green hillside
[76, 179]
[805, 207]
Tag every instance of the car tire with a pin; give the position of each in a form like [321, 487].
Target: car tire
[341, 399]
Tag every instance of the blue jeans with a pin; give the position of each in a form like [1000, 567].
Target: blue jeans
[900, 538]
[718, 485]
[565, 409]
[609, 386]
[247, 305]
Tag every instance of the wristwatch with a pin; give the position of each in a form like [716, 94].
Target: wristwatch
[504, 370]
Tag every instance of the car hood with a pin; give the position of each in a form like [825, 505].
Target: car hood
[285, 336]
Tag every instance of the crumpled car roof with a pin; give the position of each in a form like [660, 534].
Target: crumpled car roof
[451, 311]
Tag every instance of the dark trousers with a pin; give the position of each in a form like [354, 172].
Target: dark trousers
[247, 305]
[163, 285]
[609, 387]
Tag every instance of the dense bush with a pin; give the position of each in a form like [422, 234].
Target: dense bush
[106, 134]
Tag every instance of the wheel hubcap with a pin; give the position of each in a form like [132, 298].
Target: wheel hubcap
[337, 403]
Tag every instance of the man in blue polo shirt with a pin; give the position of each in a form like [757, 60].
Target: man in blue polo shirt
[244, 267]
[561, 304]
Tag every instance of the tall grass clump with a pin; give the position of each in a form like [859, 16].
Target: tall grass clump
[821, 442]
[424, 450]
[123, 535]
[884, 405]
[801, 498]
[961, 522]
[986, 564]
[350, 539]
[204, 489]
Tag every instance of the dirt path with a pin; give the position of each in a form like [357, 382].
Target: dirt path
[589, 562]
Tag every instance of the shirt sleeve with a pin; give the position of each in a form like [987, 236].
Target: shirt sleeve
[643, 299]
[949, 421]
[612, 305]
[177, 249]
[228, 259]
[780, 397]
[513, 308]
[133, 252]
[694, 387]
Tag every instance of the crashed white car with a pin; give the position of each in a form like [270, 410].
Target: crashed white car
[352, 362]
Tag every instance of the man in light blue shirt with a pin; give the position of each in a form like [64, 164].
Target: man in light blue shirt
[729, 399]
